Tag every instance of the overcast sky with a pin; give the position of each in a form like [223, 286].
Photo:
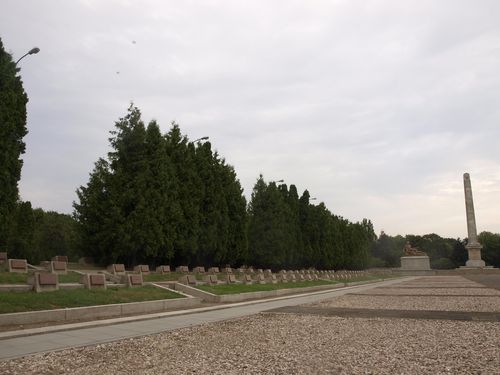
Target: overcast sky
[376, 107]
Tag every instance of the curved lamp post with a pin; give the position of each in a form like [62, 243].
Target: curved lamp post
[32, 51]
[200, 139]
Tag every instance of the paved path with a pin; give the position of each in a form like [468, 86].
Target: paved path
[56, 338]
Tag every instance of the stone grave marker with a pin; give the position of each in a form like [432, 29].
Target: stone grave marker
[163, 269]
[213, 270]
[44, 281]
[116, 269]
[247, 279]
[132, 280]
[272, 279]
[188, 280]
[231, 279]
[183, 269]
[18, 265]
[59, 267]
[283, 277]
[142, 268]
[92, 281]
[3, 257]
[260, 278]
[199, 269]
[211, 279]
[228, 270]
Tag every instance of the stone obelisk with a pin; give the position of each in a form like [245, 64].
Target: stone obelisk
[473, 246]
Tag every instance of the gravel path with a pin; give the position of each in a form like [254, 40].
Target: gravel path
[288, 344]
[486, 304]
[434, 291]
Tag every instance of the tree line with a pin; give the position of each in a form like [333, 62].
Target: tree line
[159, 198]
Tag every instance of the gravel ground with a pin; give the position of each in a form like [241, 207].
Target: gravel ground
[434, 291]
[288, 344]
[486, 304]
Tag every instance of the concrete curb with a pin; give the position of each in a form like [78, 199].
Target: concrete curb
[96, 312]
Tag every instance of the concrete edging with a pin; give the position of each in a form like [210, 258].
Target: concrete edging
[96, 312]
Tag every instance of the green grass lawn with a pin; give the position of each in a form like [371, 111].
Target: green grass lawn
[244, 288]
[11, 302]
[13, 278]
[70, 277]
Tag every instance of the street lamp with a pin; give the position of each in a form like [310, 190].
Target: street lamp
[32, 51]
[200, 139]
[280, 181]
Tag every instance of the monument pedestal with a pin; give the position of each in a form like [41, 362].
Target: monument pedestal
[415, 263]
[474, 256]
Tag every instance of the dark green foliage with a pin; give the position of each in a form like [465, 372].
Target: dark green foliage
[37, 235]
[491, 248]
[13, 101]
[286, 231]
[389, 249]
[161, 199]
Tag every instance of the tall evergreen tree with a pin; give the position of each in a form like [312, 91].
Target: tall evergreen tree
[13, 100]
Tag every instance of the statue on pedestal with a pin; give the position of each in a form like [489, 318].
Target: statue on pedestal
[412, 251]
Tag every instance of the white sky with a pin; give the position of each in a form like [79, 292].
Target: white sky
[376, 107]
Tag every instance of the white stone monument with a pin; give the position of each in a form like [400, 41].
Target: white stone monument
[473, 246]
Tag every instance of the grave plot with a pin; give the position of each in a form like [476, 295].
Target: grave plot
[59, 267]
[18, 265]
[163, 269]
[44, 282]
[142, 268]
[116, 269]
[93, 281]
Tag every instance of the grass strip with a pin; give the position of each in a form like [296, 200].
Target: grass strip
[11, 302]
[13, 278]
[245, 288]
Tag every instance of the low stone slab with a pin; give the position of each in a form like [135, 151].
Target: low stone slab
[116, 269]
[132, 280]
[211, 279]
[247, 279]
[183, 269]
[199, 269]
[92, 281]
[228, 270]
[260, 278]
[213, 270]
[43, 281]
[231, 279]
[188, 280]
[59, 267]
[163, 269]
[18, 265]
[142, 268]
[415, 263]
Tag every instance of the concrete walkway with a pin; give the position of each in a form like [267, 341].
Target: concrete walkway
[16, 344]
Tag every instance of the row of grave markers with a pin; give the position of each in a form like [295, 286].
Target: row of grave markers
[44, 281]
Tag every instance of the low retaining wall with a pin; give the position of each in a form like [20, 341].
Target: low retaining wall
[227, 298]
[97, 312]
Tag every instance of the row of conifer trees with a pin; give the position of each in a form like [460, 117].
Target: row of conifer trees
[161, 199]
